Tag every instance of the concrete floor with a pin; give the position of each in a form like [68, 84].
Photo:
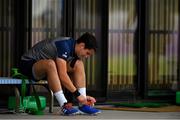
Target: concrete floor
[106, 114]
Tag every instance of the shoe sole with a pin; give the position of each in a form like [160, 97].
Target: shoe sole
[76, 113]
[83, 113]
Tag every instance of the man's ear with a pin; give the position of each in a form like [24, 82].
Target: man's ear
[82, 45]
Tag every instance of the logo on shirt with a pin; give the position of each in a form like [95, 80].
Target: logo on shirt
[65, 55]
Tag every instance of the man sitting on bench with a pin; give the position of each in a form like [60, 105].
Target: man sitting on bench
[60, 62]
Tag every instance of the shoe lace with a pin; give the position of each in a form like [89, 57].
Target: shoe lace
[68, 105]
[89, 103]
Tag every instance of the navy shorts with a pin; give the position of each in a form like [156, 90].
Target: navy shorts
[26, 68]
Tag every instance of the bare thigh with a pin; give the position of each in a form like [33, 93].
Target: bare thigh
[40, 69]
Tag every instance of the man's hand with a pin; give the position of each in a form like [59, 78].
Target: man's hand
[82, 99]
[90, 100]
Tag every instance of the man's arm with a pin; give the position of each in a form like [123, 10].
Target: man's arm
[65, 79]
[62, 72]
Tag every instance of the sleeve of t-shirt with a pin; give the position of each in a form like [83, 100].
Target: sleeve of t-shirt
[63, 50]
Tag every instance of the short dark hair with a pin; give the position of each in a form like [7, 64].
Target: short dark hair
[89, 40]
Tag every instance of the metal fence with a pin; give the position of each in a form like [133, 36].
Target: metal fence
[6, 36]
[163, 43]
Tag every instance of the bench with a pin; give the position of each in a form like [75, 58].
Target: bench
[15, 82]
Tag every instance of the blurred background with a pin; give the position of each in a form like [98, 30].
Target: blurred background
[139, 43]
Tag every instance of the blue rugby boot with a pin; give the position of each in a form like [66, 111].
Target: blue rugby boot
[89, 109]
[68, 109]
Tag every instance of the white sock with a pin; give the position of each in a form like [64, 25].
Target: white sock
[60, 97]
[82, 91]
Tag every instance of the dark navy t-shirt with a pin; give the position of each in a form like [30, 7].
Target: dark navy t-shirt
[62, 47]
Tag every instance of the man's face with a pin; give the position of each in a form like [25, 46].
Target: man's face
[84, 52]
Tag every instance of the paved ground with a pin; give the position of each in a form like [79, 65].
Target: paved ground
[106, 114]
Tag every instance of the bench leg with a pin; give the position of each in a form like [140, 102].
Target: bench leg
[17, 97]
[51, 102]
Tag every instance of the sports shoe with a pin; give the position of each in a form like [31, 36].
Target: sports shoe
[89, 110]
[68, 109]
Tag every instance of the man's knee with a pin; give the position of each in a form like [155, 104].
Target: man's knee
[79, 64]
[50, 64]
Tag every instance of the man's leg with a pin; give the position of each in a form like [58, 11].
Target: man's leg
[47, 68]
[77, 73]
[79, 79]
